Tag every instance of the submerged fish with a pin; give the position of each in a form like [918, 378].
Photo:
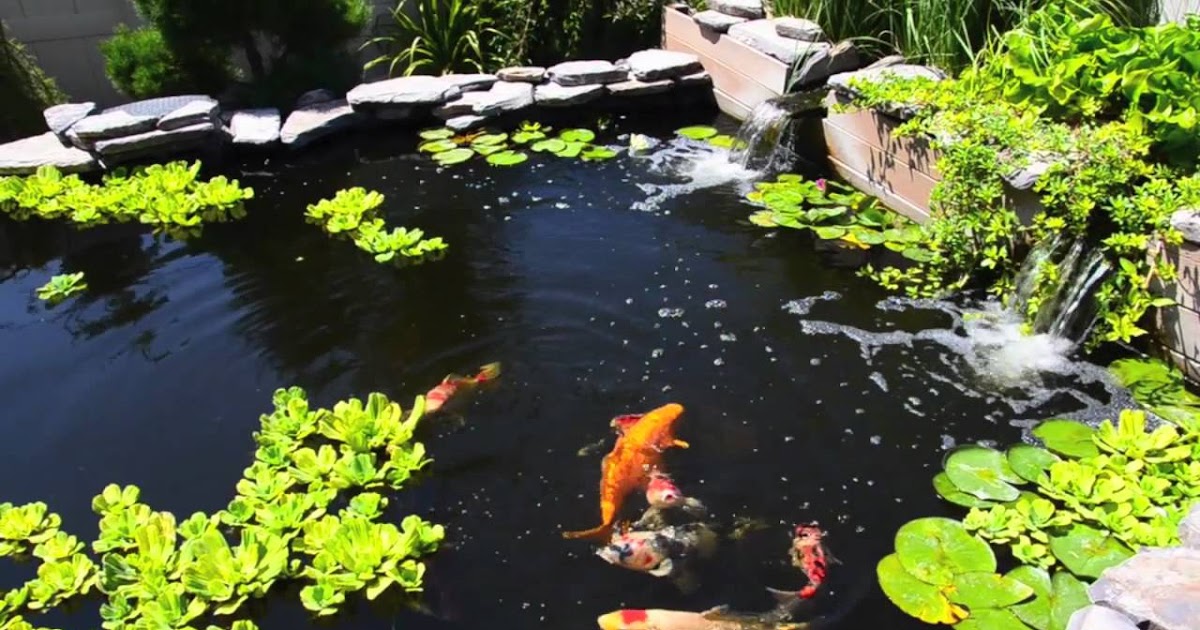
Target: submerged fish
[627, 467]
[660, 553]
[662, 494]
[454, 384]
[714, 619]
[809, 554]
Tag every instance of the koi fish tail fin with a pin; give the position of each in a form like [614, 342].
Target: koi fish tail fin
[603, 532]
[489, 372]
[789, 603]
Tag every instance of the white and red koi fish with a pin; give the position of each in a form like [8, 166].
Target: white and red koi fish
[715, 619]
[663, 494]
[660, 553]
[809, 554]
[454, 384]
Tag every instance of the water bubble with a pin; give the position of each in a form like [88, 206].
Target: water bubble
[948, 442]
[718, 361]
[657, 352]
[671, 313]
[728, 337]
[876, 440]
[715, 304]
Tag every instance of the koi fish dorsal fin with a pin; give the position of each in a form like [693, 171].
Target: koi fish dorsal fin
[488, 372]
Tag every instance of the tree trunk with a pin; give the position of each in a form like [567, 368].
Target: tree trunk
[253, 57]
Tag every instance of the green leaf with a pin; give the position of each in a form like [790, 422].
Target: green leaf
[934, 550]
[436, 146]
[950, 492]
[698, 132]
[1067, 437]
[487, 149]
[982, 472]
[1068, 596]
[763, 218]
[553, 145]
[916, 254]
[507, 158]
[577, 135]
[1036, 612]
[598, 153]
[990, 619]
[1087, 552]
[916, 598]
[440, 133]
[988, 590]
[454, 156]
[722, 141]
[829, 233]
[489, 139]
[1029, 462]
[570, 150]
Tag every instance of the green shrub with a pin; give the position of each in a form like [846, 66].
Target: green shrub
[442, 38]
[27, 91]
[141, 65]
[549, 31]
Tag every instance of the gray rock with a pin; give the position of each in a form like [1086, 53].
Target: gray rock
[761, 36]
[312, 97]
[395, 114]
[824, 62]
[22, 157]
[576, 73]
[752, 9]
[111, 124]
[503, 98]
[1187, 221]
[799, 28]
[404, 92]
[716, 21]
[1025, 177]
[887, 62]
[471, 82]
[158, 107]
[255, 127]
[875, 73]
[654, 64]
[1099, 618]
[523, 74]
[1157, 585]
[1189, 528]
[194, 113]
[60, 118]
[310, 123]
[633, 87]
[555, 95]
[461, 106]
[693, 80]
[465, 123]
[157, 142]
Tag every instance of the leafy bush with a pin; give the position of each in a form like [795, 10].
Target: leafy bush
[352, 212]
[166, 196]
[545, 32]
[158, 572]
[443, 38]
[141, 65]
[27, 90]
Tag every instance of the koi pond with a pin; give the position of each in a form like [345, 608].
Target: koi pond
[603, 287]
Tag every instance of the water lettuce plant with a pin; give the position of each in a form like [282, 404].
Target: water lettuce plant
[61, 287]
[353, 213]
[157, 572]
[833, 211]
[501, 149]
[170, 197]
[1066, 511]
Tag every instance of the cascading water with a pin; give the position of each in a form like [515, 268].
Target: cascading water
[1064, 273]
[764, 139]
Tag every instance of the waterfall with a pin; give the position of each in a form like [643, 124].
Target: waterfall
[1067, 310]
[763, 141]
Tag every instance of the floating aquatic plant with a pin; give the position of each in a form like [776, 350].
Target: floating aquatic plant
[710, 135]
[170, 197]
[61, 287]
[158, 573]
[352, 212]
[499, 148]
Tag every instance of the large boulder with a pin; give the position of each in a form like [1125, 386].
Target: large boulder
[194, 113]
[577, 73]
[633, 87]
[22, 157]
[761, 36]
[61, 118]
[1189, 528]
[654, 64]
[111, 124]
[503, 98]
[716, 21]
[826, 61]
[752, 9]
[416, 90]
[1099, 618]
[157, 142]
[799, 29]
[466, 123]
[555, 95]
[255, 127]
[1161, 586]
[311, 123]
[523, 74]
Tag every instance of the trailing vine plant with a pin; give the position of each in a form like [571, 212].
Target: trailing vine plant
[353, 213]
[309, 508]
[1079, 100]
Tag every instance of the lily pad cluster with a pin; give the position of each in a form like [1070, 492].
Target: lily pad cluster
[834, 211]
[306, 509]
[501, 149]
[1076, 507]
[709, 135]
[61, 287]
[170, 197]
[1160, 388]
[354, 213]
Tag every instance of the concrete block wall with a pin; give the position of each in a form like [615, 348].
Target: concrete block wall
[65, 36]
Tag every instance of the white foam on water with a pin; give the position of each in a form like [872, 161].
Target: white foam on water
[701, 166]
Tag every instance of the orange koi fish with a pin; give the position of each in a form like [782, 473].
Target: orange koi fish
[637, 453]
[714, 619]
[453, 383]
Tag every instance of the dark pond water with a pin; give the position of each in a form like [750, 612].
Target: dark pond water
[158, 374]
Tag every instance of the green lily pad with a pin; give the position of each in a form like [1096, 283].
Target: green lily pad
[916, 598]
[507, 158]
[454, 156]
[440, 133]
[570, 150]
[577, 135]
[598, 153]
[829, 233]
[553, 145]
[490, 139]
[790, 178]
[488, 149]
[950, 492]
[436, 146]
[1067, 437]
[895, 247]
[1187, 418]
[698, 132]
[525, 137]
[916, 254]
[982, 472]
[934, 550]
[872, 217]
[762, 218]
[988, 590]
[1035, 612]
[722, 141]
[869, 237]
[1030, 461]
[1069, 595]
[1087, 552]
[990, 619]
[822, 215]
